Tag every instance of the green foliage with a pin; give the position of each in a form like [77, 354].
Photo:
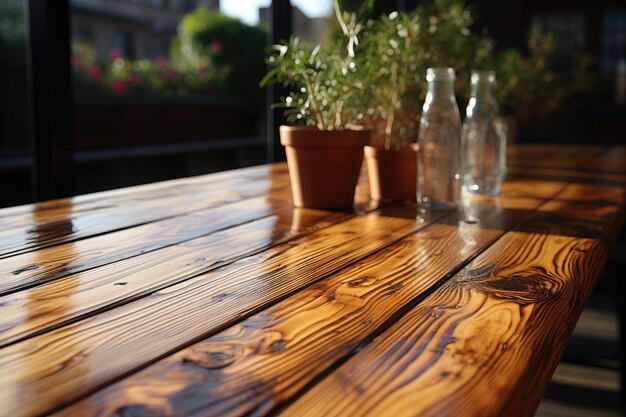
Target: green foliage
[447, 40]
[322, 82]
[398, 49]
[11, 22]
[236, 50]
[529, 88]
[391, 63]
[373, 72]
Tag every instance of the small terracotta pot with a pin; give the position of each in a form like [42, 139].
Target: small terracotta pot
[392, 173]
[323, 165]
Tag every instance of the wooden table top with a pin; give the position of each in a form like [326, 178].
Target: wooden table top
[213, 296]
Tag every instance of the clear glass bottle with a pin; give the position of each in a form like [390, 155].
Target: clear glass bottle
[483, 139]
[438, 160]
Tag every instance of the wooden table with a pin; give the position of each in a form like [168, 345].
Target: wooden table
[213, 296]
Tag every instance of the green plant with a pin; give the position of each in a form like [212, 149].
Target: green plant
[373, 72]
[389, 63]
[529, 88]
[397, 49]
[322, 80]
[235, 49]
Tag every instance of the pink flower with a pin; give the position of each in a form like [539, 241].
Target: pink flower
[162, 61]
[77, 62]
[119, 86]
[114, 53]
[135, 79]
[94, 72]
[215, 46]
[171, 76]
[202, 68]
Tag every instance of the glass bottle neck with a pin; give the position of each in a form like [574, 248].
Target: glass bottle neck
[483, 82]
[482, 89]
[443, 89]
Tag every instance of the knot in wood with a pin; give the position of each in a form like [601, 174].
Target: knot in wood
[213, 356]
[529, 286]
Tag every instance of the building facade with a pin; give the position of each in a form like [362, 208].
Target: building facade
[140, 29]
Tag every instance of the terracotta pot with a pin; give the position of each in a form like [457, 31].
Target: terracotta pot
[392, 173]
[323, 165]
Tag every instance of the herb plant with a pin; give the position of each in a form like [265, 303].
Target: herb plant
[322, 79]
[393, 57]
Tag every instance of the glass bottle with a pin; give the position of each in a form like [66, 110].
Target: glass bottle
[483, 138]
[438, 160]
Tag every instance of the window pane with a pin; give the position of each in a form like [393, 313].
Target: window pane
[613, 40]
[164, 89]
[14, 146]
[569, 29]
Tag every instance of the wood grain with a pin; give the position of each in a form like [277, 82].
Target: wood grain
[529, 188]
[484, 344]
[592, 165]
[604, 205]
[360, 317]
[595, 193]
[37, 234]
[66, 363]
[254, 366]
[61, 208]
[553, 156]
[243, 371]
[553, 174]
[121, 282]
[612, 161]
[36, 268]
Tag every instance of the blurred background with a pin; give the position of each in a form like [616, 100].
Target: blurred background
[159, 89]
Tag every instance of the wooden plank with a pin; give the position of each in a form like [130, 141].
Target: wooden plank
[551, 174]
[38, 267]
[121, 282]
[528, 188]
[241, 383]
[152, 190]
[553, 156]
[614, 161]
[35, 268]
[28, 237]
[80, 361]
[253, 367]
[595, 193]
[484, 344]
[593, 165]
[605, 205]
[60, 366]
[145, 195]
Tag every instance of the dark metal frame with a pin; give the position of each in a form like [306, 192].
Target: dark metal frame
[50, 98]
[280, 30]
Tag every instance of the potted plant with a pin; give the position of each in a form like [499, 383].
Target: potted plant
[397, 49]
[391, 107]
[325, 151]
